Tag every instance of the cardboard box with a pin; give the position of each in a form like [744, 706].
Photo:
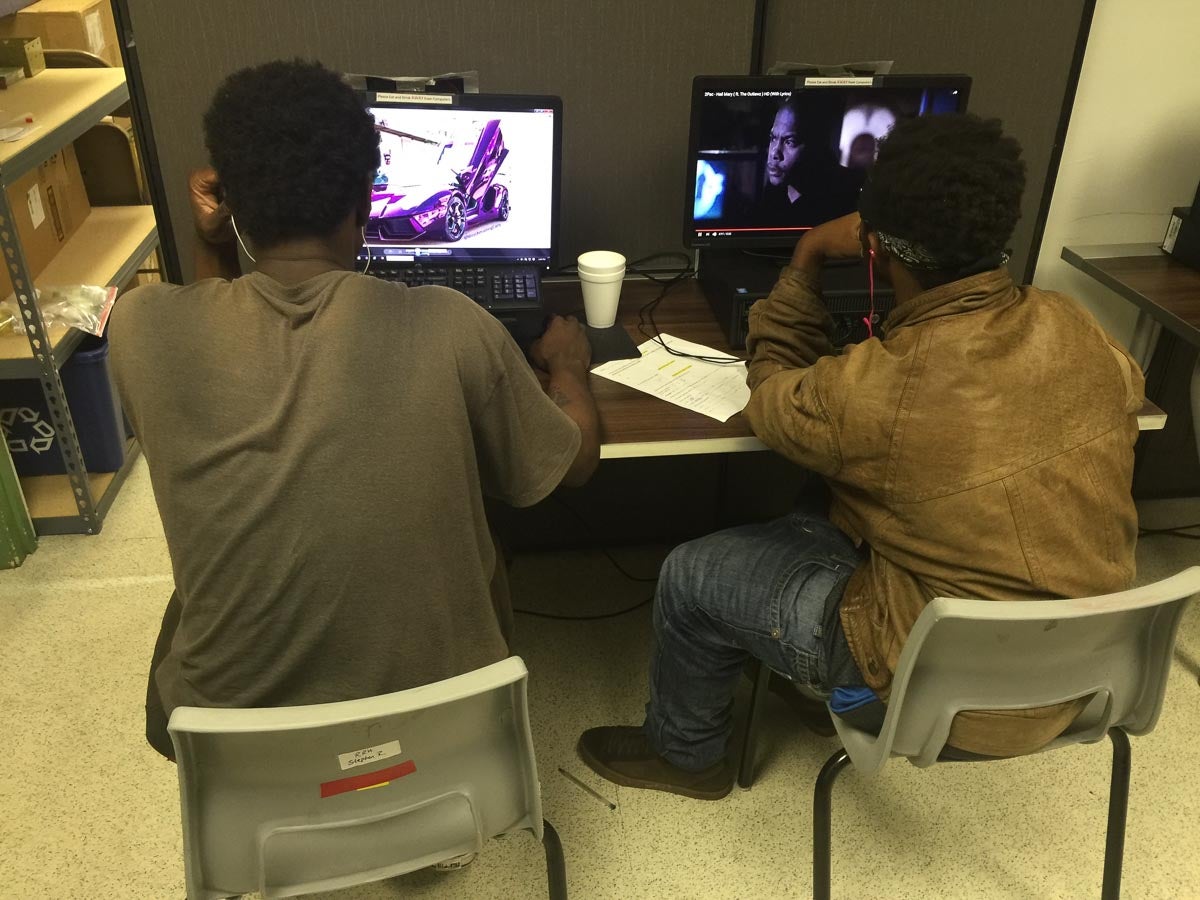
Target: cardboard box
[48, 204]
[68, 25]
[24, 53]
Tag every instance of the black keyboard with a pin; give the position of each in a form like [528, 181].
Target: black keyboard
[492, 287]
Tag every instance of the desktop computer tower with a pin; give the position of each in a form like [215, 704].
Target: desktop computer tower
[732, 280]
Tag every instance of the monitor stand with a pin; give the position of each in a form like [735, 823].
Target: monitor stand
[733, 279]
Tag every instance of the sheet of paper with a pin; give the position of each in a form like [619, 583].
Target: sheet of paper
[714, 389]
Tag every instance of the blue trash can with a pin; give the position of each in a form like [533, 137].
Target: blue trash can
[99, 422]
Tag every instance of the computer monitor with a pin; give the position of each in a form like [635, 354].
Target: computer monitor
[465, 178]
[770, 157]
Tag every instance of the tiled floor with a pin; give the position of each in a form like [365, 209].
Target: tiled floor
[87, 810]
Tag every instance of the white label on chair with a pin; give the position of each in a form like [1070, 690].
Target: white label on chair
[369, 755]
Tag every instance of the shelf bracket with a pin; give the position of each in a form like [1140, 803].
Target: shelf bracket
[43, 353]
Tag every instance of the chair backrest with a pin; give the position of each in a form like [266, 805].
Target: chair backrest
[303, 798]
[73, 59]
[109, 167]
[81, 59]
[980, 655]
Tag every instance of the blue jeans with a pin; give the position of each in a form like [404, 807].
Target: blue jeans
[756, 590]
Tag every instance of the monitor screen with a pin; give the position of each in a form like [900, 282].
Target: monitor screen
[770, 157]
[464, 178]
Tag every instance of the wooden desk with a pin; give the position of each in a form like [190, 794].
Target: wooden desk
[1167, 295]
[1166, 291]
[636, 424]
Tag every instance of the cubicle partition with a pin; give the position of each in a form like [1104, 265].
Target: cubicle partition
[623, 68]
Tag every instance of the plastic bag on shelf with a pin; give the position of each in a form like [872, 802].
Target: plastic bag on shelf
[82, 306]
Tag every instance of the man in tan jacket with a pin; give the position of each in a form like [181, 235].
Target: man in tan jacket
[980, 445]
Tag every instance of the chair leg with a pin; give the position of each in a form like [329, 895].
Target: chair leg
[762, 678]
[556, 865]
[1118, 807]
[823, 822]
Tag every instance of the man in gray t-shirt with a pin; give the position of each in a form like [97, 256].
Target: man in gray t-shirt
[321, 442]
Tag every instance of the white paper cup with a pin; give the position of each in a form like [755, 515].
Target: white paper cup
[600, 275]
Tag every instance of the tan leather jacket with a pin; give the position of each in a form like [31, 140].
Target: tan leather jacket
[982, 448]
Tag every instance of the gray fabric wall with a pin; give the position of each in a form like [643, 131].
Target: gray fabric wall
[623, 68]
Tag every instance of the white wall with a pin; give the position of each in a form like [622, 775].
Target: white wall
[1133, 147]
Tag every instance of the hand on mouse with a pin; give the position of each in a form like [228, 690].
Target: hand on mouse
[564, 344]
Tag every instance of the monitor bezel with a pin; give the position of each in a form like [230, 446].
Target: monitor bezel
[702, 83]
[492, 103]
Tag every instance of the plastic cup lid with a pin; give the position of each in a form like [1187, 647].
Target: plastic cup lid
[601, 262]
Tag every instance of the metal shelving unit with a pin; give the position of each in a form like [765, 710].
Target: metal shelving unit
[108, 248]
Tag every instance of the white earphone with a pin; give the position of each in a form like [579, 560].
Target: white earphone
[238, 234]
[242, 244]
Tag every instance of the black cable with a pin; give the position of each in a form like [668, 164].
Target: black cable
[667, 281]
[1169, 532]
[646, 317]
[616, 565]
[612, 559]
[775, 257]
[611, 615]
[1172, 530]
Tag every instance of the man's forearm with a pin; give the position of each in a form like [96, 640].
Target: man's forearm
[790, 329]
[568, 388]
[217, 260]
[809, 260]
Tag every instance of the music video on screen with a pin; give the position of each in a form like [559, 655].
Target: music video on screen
[785, 161]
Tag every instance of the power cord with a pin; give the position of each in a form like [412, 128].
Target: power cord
[616, 565]
[774, 257]
[596, 618]
[646, 314]
[1179, 531]
[667, 280]
[612, 559]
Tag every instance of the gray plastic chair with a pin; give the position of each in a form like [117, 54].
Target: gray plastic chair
[298, 799]
[975, 654]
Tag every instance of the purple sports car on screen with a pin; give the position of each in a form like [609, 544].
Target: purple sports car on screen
[443, 211]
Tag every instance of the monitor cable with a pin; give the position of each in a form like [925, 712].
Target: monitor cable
[667, 282]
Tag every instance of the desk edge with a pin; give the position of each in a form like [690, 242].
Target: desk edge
[631, 449]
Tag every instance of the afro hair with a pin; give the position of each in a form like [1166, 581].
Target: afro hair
[294, 148]
[951, 183]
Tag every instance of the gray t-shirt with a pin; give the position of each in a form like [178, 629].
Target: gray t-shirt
[320, 455]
